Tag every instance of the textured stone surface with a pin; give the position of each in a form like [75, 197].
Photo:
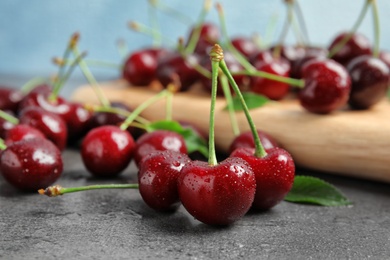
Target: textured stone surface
[116, 224]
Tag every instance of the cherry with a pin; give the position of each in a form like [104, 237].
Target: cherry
[245, 46]
[159, 140]
[178, 70]
[5, 125]
[385, 57]
[311, 53]
[245, 139]
[217, 194]
[274, 175]
[107, 150]
[290, 53]
[357, 45]
[370, 80]
[50, 124]
[22, 132]
[9, 99]
[327, 86]
[31, 164]
[270, 88]
[209, 35]
[140, 67]
[77, 121]
[157, 177]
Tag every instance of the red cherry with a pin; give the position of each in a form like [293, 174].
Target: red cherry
[370, 81]
[357, 45]
[77, 121]
[246, 140]
[140, 67]
[159, 140]
[270, 88]
[311, 53]
[157, 179]
[50, 124]
[217, 195]
[31, 164]
[274, 175]
[209, 35]
[245, 46]
[5, 125]
[107, 150]
[385, 57]
[22, 132]
[10, 98]
[290, 53]
[327, 86]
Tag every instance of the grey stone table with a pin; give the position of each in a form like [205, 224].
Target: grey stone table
[116, 224]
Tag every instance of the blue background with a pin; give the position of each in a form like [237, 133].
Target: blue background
[32, 32]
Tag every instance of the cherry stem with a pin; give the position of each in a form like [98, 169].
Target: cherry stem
[122, 48]
[215, 58]
[286, 26]
[33, 83]
[259, 149]
[375, 15]
[300, 83]
[2, 145]
[96, 63]
[198, 29]
[270, 29]
[155, 25]
[171, 12]
[57, 190]
[141, 28]
[301, 21]
[349, 35]
[9, 118]
[229, 101]
[169, 101]
[141, 108]
[61, 81]
[91, 79]
[116, 110]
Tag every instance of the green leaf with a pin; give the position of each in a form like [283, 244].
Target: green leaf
[194, 142]
[312, 190]
[252, 100]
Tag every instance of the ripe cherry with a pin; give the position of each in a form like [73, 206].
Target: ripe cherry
[274, 175]
[5, 125]
[50, 124]
[245, 139]
[31, 164]
[22, 132]
[209, 35]
[357, 45]
[311, 53]
[327, 86]
[10, 98]
[290, 53]
[219, 194]
[246, 46]
[370, 81]
[157, 177]
[107, 150]
[159, 140]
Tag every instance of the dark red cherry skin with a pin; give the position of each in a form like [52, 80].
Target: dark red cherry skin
[290, 53]
[311, 53]
[50, 124]
[245, 139]
[140, 67]
[385, 57]
[245, 46]
[178, 70]
[270, 88]
[107, 150]
[274, 175]
[78, 121]
[263, 56]
[31, 164]
[159, 140]
[157, 178]
[10, 99]
[217, 195]
[22, 132]
[356, 46]
[327, 86]
[209, 35]
[5, 125]
[370, 81]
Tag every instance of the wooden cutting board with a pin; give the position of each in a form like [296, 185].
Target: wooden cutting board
[352, 143]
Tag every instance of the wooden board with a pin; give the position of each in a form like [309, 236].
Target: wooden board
[353, 143]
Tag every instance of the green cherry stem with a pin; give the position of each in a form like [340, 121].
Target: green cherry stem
[142, 107]
[349, 35]
[197, 31]
[116, 110]
[291, 81]
[375, 15]
[122, 48]
[259, 149]
[96, 63]
[57, 190]
[301, 21]
[215, 59]
[9, 118]
[32, 83]
[229, 100]
[171, 12]
[155, 25]
[141, 28]
[2, 145]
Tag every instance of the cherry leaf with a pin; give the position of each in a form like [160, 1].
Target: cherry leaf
[194, 142]
[252, 100]
[311, 190]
